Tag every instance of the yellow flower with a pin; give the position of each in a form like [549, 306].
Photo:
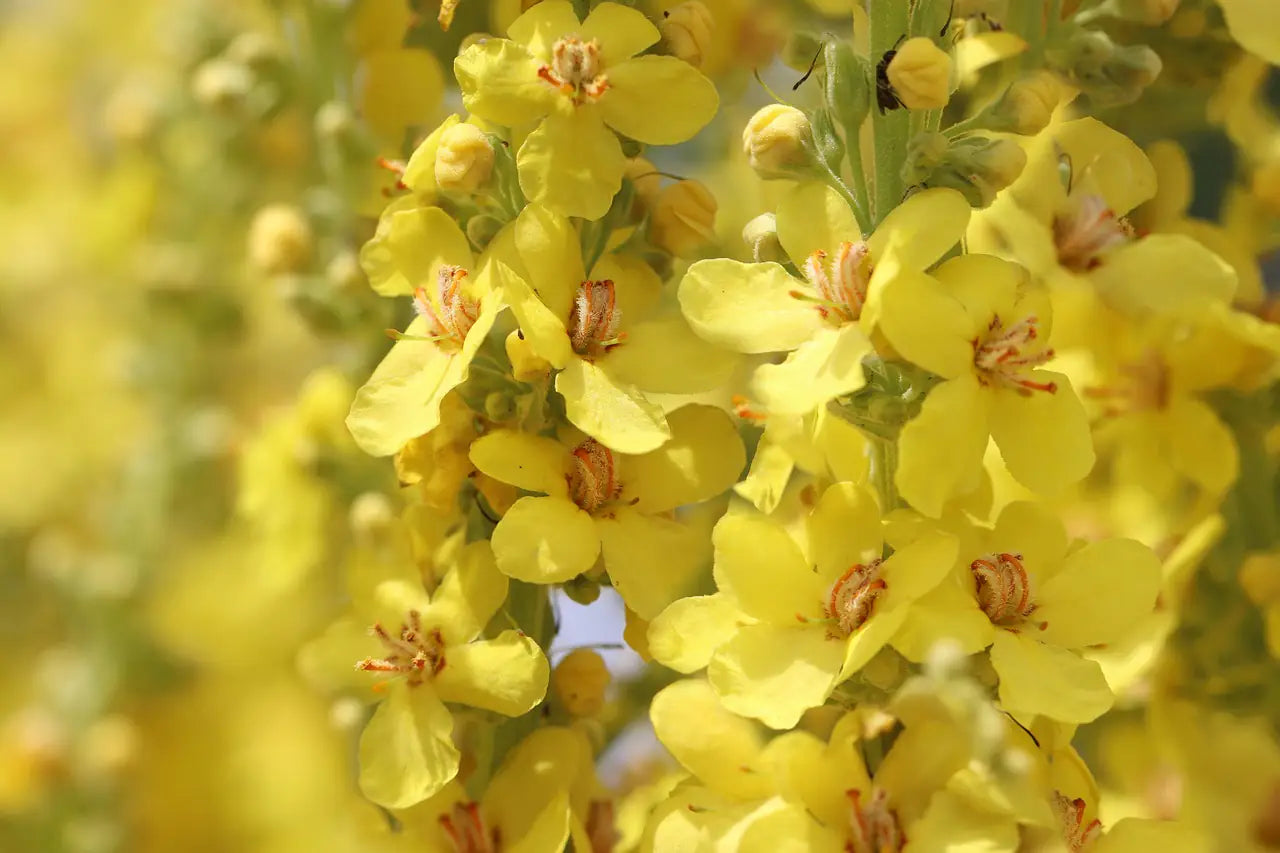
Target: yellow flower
[973, 323]
[595, 502]
[1253, 23]
[1024, 590]
[423, 252]
[580, 81]
[423, 650]
[760, 308]
[524, 807]
[603, 332]
[1063, 219]
[806, 624]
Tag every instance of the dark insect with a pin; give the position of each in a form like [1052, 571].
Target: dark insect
[886, 98]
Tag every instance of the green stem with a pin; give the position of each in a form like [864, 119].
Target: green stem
[888, 25]
[884, 464]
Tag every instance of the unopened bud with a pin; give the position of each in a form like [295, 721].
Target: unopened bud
[776, 140]
[1110, 75]
[848, 82]
[920, 74]
[1151, 13]
[221, 83]
[334, 120]
[253, 49]
[370, 513]
[687, 30]
[761, 236]
[526, 365]
[464, 160]
[580, 681]
[977, 166]
[482, 228]
[1027, 106]
[280, 240]
[683, 218]
[646, 183]
[343, 271]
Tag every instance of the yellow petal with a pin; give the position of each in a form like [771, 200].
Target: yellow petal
[1102, 591]
[721, 749]
[542, 24]
[651, 561]
[420, 241]
[685, 635]
[1036, 678]
[621, 418]
[916, 569]
[1044, 438]
[544, 329]
[545, 540]
[1201, 445]
[985, 285]
[952, 825]
[621, 31]
[940, 449]
[776, 674]
[826, 366]
[1253, 24]
[664, 356]
[703, 459]
[1164, 274]
[507, 675]
[945, 613]
[550, 257]
[813, 217]
[1108, 160]
[763, 572]
[468, 596]
[1135, 835]
[922, 321]
[406, 750]
[658, 100]
[1034, 531]
[922, 229]
[571, 164]
[746, 307]
[530, 462]
[976, 52]
[844, 529]
[864, 643]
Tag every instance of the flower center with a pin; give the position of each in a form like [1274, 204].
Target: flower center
[466, 829]
[1076, 834]
[840, 283]
[1003, 588]
[1002, 356]
[413, 653]
[453, 312]
[873, 825]
[1086, 230]
[593, 326]
[575, 70]
[593, 479]
[1143, 386]
[853, 597]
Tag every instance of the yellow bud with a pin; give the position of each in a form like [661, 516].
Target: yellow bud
[370, 513]
[464, 161]
[920, 74]
[775, 139]
[280, 240]
[1027, 106]
[1150, 13]
[526, 365]
[343, 270]
[687, 29]
[683, 218]
[761, 236]
[645, 179]
[580, 681]
[221, 83]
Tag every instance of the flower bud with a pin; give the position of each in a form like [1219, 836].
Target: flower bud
[370, 514]
[645, 181]
[776, 139]
[683, 218]
[1027, 105]
[1109, 74]
[848, 83]
[221, 83]
[464, 160]
[761, 236]
[920, 74]
[280, 240]
[580, 681]
[1151, 13]
[687, 30]
[253, 49]
[977, 166]
[526, 365]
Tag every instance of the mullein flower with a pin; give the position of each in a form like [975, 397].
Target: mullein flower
[456, 302]
[579, 82]
[421, 649]
[1037, 601]
[976, 324]
[603, 331]
[1064, 219]
[805, 624]
[595, 502]
[818, 319]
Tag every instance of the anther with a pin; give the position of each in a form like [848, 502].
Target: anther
[452, 314]
[413, 652]
[1003, 588]
[852, 598]
[1005, 356]
[873, 825]
[840, 285]
[593, 326]
[1076, 834]
[466, 829]
[1087, 230]
[575, 70]
[593, 479]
